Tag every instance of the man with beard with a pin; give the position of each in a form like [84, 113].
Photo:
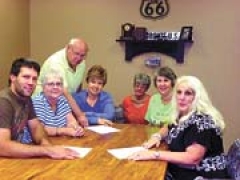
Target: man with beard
[16, 113]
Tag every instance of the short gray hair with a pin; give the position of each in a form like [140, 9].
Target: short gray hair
[142, 78]
[51, 73]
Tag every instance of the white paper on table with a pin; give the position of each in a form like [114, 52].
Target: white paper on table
[102, 129]
[123, 153]
[81, 151]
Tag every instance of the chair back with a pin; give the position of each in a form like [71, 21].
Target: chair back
[233, 160]
[119, 117]
[233, 163]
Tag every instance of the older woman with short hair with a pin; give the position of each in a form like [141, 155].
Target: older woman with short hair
[52, 107]
[135, 105]
[159, 108]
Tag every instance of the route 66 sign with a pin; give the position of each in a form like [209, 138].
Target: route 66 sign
[154, 9]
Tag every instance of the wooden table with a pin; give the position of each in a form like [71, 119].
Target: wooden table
[97, 165]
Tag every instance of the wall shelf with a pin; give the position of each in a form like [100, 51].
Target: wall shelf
[173, 48]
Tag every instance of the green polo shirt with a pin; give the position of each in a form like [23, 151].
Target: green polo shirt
[58, 61]
[158, 113]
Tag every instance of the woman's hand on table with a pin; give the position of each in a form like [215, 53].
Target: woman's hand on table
[153, 141]
[106, 122]
[143, 155]
[75, 131]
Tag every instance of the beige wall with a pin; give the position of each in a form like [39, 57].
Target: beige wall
[14, 34]
[213, 57]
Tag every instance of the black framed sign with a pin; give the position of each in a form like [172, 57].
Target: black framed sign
[154, 9]
[186, 33]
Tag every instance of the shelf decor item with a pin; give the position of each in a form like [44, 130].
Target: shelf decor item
[140, 33]
[186, 33]
[152, 62]
[127, 31]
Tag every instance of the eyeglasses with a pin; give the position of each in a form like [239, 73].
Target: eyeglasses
[54, 84]
[140, 86]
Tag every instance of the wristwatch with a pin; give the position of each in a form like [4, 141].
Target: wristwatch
[156, 154]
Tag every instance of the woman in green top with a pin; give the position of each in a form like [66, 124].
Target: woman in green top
[159, 108]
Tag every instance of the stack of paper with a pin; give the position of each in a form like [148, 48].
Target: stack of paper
[102, 129]
[81, 151]
[124, 153]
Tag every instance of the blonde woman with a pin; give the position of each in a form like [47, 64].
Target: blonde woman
[195, 140]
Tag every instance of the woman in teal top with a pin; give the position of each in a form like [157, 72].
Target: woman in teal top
[159, 108]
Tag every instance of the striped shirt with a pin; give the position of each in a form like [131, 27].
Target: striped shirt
[47, 116]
